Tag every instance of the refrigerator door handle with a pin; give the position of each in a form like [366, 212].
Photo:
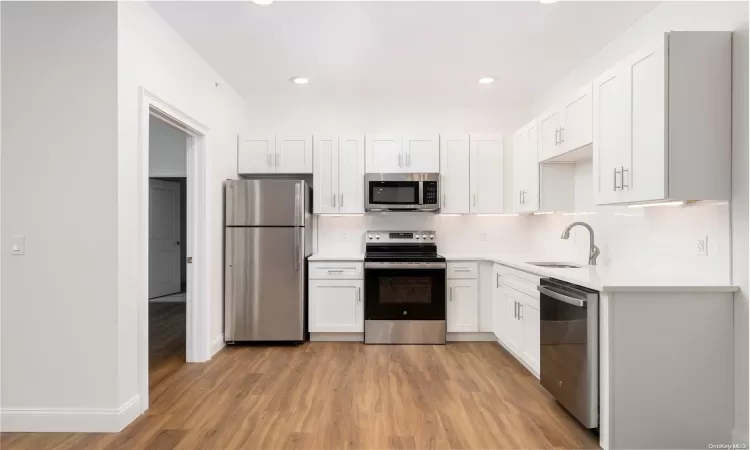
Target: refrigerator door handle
[297, 205]
[296, 256]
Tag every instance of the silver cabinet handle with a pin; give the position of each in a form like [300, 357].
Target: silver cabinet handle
[523, 197]
[408, 158]
[341, 203]
[475, 199]
[497, 280]
[399, 160]
[335, 271]
[334, 199]
[520, 197]
[515, 309]
[444, 199]
[451, 294]
[520, 311]
[557, 134]
[269, 159]
[359, 295]
[562, 136]
[622, 178]
[277, 159]
[616, 186]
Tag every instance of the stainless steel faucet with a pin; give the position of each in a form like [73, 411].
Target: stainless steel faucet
[593, 249]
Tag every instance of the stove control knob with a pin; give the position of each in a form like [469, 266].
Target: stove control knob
[369, 236]
[377, 236]
[432, 236]
[424, 236]
[416, 237]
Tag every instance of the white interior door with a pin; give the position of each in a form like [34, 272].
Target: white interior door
[454, 171]
[256, 154]
[164, 238]
[351, 174]
[326, 175]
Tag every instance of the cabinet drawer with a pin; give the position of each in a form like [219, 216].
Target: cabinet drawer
[458, 270]
[344, 270]
[523, 282]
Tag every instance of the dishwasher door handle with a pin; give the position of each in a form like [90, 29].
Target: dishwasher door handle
[563, 298]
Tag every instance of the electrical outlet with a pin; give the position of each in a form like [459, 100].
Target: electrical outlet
[701, 247]
[344, 236]
[483, 237]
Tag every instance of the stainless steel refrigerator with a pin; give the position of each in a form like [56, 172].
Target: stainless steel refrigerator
[268, 239]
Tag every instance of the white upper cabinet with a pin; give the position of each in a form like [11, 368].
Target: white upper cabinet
[255, 154]
[294, 154]
[263, 154]
[526, 169]
[385, 154]
[326, 175]
[454, 174]
[351, 174]
[421, 153]
[662, 122]
[338, 174]
[549, 133]
[486, 160]
[575, 132]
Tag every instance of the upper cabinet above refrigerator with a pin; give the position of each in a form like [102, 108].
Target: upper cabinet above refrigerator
[269, 154]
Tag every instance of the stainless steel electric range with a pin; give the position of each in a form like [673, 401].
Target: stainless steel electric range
[404, 288]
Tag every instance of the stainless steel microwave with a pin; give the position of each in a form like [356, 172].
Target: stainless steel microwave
[402, 192]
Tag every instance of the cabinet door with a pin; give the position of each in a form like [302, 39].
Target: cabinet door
[454, 174]
[576, 129]
[351, 174]
[486, 159]
[336, 306]
[519, 168]
[462, 314]
[256, 154]
[645, 171]
[512, 326]
[549, 137]
[326, 175]
[422, 153]
[294, 154]
[531, 327]
[498, 310]
[530, 194]
[611, 133]
[384, 154]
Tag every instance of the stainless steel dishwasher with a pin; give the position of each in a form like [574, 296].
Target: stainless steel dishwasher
[569, 354]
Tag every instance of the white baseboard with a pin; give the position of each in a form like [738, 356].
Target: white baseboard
[471, 337]
[217, 344]
[83, 420]
[337, 337]
[738, 437]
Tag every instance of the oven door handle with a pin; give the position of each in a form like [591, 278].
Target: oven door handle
[387, 265]
[563, 298]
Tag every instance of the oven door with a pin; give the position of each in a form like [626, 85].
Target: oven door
[396, 291]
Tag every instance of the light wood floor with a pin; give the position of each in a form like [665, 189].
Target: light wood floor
[343, 395]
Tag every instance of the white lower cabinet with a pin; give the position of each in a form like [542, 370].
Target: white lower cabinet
[336, 306]
[531, 328]
[463, 305]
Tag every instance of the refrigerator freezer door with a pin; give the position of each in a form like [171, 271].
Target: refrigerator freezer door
[266, 203]
[265, 284]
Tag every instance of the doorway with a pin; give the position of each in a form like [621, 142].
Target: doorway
[167, 242]
[159, 186]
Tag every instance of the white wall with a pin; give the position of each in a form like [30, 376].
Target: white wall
[167, 150]
[740, 228]
[664, 236]
[152, 55]
[59, 300]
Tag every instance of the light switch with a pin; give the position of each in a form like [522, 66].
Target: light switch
[18, 245]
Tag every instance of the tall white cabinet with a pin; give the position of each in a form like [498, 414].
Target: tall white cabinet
[455, 188]
[338, 174]
[486, 163]
[662, 122]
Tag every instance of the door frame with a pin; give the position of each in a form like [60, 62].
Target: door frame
[197, 342]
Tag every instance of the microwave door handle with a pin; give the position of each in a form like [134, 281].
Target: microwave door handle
[421, 193]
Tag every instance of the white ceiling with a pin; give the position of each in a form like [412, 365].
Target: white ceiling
[427, 53]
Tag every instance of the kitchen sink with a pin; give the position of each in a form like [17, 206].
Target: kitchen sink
[555, 265]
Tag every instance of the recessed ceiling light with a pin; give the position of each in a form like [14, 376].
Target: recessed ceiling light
[486, 80]
[300, 80]
[548, 2]
[262, 2]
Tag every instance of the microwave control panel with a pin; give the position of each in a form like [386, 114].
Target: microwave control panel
[430, 192]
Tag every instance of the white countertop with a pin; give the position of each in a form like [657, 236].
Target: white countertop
[336, 257]
[601, 278]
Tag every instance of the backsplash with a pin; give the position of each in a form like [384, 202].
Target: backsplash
[629, 238]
